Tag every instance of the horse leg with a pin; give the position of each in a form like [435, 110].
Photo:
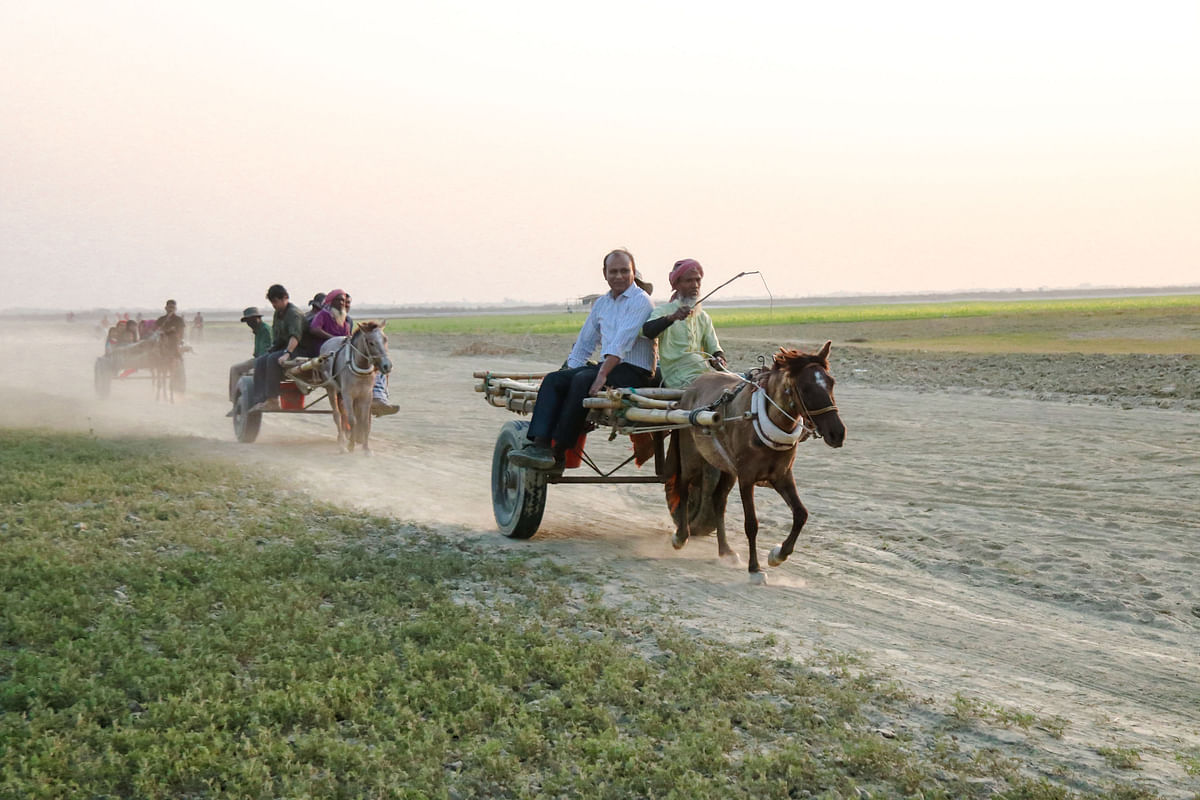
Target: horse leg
[364, 419]
[339, 416]
[746, 487]
[786, 486]
[351, 418]
[682, 529]
[682, 478]
[720, 501]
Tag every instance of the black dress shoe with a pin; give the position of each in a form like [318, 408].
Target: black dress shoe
[532, 458]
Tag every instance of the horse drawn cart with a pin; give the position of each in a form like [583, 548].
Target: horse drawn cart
[645, 415]
[158, 358]
[727, 429]
[342, 376]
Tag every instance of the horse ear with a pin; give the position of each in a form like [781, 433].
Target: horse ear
[824, 353]
[383, 324]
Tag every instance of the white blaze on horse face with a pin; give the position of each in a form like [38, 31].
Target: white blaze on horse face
[821, 379]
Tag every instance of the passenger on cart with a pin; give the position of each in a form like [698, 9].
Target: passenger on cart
[314, 307]
[332, 321]
[614, 324]
[687, 342]
[287, 329]
[262, 344]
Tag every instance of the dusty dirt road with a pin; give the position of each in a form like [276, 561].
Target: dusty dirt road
[1034, 554]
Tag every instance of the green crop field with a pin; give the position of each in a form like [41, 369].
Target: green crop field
[1147, 325]
[562, 322]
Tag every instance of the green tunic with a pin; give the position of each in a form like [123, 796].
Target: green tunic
[685, 346]
[262, 340]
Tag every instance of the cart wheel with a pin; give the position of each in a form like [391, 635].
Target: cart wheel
[178, 377]
[103, 377]
[245, 424]
[518, 494]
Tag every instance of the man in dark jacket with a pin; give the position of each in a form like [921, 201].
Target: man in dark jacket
[171, 324]
[287, 328]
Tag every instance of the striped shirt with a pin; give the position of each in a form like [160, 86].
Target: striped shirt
[615, 324]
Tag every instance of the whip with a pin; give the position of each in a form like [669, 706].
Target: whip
[734, 278]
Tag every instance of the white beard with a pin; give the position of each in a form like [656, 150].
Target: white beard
[338, 314]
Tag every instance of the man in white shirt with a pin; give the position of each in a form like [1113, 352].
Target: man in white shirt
[614, 324]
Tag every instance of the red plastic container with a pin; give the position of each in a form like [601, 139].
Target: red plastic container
[290, 398]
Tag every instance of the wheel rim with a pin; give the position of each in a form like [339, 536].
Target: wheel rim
[506, 492]
[239, 415]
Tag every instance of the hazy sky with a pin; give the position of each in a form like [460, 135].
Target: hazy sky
[478, 151]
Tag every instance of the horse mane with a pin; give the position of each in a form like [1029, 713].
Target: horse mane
[366, 327]
[794, 360]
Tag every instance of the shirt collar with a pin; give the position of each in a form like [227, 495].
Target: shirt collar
[632, 291]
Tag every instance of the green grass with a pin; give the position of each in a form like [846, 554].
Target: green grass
[172, 628]
[725, 318]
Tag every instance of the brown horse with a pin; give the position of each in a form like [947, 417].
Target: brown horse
[767, 416]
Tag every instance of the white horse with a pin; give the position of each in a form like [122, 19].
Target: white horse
[351, 372]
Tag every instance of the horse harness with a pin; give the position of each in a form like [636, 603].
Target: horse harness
[365, 353]
[770, 434]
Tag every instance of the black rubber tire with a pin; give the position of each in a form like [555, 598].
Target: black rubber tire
[518, 494]
[102, 377]
[245, 424]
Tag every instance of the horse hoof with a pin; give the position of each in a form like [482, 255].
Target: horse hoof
[731, 558]
[678, 543]
[758, 579]
[773, 557]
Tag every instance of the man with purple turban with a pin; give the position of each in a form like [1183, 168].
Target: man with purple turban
[687, 343]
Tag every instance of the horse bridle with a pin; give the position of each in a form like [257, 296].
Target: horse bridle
[372, 360]
[809, 426]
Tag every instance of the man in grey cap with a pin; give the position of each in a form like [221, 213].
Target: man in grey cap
[262, 344]
[314, 307]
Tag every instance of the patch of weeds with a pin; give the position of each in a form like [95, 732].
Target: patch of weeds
[965, 710]
[1190, 761]
[1121, 757]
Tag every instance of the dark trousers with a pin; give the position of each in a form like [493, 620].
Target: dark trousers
[267, 374]
[559, 412]
[236, 372]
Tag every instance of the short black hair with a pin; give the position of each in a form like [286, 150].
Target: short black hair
[277, 292]
[620, 251]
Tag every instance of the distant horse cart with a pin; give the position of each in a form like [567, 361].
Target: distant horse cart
[723, 430]
[342, 376]
[158, 358]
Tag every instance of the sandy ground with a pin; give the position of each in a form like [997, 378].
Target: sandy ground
[1030, 552]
